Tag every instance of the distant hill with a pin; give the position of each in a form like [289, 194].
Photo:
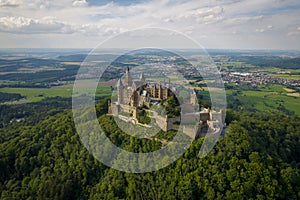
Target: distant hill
[82, 57]
[73, 58]
[270, 61]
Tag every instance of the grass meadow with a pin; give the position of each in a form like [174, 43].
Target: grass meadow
[38, 94]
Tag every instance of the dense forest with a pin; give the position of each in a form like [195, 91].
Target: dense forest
[32, 113]
[270, 61]
[39, 75]
[258, 158]
[9, 97]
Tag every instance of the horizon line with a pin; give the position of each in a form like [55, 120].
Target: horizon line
[78, 48]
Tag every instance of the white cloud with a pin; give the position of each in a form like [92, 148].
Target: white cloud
[294, 33]
[242, 20]
[222, 22]
[22, 25]
[262, 30]
[9, 3]
[80, 3]
[202, 15]
[50, 25]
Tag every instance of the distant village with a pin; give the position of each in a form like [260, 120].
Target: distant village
[257, 79]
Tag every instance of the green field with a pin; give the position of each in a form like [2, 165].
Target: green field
[238, 66]
[288, 76]
[5, 83]
[269, 99]
[38, 94]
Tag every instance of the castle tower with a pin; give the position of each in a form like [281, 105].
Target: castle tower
[128, 81]
[194, 99]
[109, 107]
[120, 91]
[134, 100]
[165, 92]
[142, 78]
[134, 86]
[159, 91]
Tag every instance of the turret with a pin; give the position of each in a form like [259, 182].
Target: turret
[134, 86]
[142, 78]
[119, 83]
[193, 98]
[128, 81]
[120, 91]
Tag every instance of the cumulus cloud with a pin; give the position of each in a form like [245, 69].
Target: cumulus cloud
[294, 33]
[262, 30]
[49, 25]
[202, 15]
[220, 21]
[80, 3]
[24, 25]
[9, 3]
[97, 29]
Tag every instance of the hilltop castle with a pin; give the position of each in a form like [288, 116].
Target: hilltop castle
[132, 95]
[138, 93]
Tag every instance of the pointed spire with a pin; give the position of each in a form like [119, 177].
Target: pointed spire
[128, 81]
[193, 98]
[119, 83]
[142, 77]
[134, 87]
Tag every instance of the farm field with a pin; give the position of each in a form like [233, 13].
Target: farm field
[269, 99]
[38, 94]
[287, 76]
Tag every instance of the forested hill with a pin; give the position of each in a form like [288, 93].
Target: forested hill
[258, 158]
[270, 61]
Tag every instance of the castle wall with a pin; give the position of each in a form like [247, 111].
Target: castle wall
[190, 130]
[114, 108]
[162, 122]
[194, 99]
[204, 116]
[171, 122]
[158, 93]
[125, 108]
[216, 116]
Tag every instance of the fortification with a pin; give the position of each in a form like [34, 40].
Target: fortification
[133, 95]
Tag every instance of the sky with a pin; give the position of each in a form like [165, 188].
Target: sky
[215, 24]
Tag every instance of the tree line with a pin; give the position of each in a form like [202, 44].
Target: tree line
[258, 158]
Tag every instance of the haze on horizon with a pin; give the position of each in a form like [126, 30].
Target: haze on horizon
[218, 24]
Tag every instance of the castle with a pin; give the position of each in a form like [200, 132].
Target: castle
[132, 95]
[137, 93]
